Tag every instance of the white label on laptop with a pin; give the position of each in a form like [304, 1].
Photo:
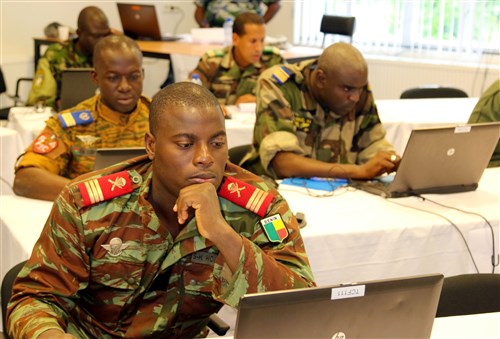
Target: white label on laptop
[462, 129]
[348, 292]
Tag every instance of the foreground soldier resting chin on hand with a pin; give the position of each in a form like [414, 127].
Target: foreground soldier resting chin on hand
[153, 246]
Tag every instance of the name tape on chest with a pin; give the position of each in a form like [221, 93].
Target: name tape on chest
[70, 119]
[246, 195]
[105, 188]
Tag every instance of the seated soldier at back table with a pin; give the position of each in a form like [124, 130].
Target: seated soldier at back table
[318, 118]
[117, 117]
[231, 73]
[76, 53]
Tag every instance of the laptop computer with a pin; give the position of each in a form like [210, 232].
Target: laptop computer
[140, 22]
[438, 161]
[106, 157]
[76, 86]
[391, 308]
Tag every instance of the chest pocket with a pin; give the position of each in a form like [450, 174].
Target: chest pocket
[197, 272]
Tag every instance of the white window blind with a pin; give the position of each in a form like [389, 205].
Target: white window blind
[457, 29]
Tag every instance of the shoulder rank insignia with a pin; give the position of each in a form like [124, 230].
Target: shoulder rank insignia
[215, 53]
[45, 143]
[281, 74]
[275, 228]
[70, 119]
[246, 195]
[115, 247]
[271, 50]
[105, 188]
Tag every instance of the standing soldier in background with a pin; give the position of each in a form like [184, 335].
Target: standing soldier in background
[46, 87]
[231, 73]
[213, 13]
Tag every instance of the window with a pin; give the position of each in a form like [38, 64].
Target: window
[458, 29]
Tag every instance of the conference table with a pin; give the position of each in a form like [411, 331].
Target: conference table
[11, 146]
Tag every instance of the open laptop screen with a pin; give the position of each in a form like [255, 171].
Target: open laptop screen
[393, 308]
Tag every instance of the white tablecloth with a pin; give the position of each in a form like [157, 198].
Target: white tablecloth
[28, 122]
[11, 146]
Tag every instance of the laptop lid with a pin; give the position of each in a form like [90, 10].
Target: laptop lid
[106, 157]
[140, 22]
[76, 86]
[392, 308]
[441, 160]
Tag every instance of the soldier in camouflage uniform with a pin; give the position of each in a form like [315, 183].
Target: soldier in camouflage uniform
[231, 73]
[46, 87]
[117, 117]
[487, 109]
[150, 248]
[213, 13]
[318, 118]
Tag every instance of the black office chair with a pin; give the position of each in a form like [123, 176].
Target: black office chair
[216, 324]
[4, 112]
[433, 91]
[237, 153]
[469, 294]
[341, 25]
[6, 290]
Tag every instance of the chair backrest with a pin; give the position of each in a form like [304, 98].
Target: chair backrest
[76, 86]
[469, 294]
[433, 91]
[7, 283]
[237, 153]
[341, 25]
[3, 86]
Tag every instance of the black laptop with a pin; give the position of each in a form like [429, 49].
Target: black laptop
[106, 157]
[439, 161]
[140, 22]
[391, 308]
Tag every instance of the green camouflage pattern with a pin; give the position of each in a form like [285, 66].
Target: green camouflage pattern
[76, 145]
[46, 85]
[216, 12]
[226, 80]
[289, 119]
[157, 286]
[486, 110]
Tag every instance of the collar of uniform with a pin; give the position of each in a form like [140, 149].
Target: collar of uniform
[117, 118]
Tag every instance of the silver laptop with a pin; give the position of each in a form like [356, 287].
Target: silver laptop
[106, 157]
[439, 160]
[76, 86]
[140, 22]
[394, 308]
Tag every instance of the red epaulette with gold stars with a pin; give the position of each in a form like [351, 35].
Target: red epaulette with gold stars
[246, 195]
[105, 188]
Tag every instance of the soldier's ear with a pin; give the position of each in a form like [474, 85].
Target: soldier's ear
[320, 78]
[149, 142]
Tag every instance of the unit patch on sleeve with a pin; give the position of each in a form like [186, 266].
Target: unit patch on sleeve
[45, 143]
[274, 228]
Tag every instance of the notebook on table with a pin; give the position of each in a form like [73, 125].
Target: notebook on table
[438, 161]
[76, 86]
[392, 308]
[106, 157]
[140, 22]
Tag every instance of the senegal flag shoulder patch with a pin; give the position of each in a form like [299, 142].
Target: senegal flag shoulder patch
[275, 228]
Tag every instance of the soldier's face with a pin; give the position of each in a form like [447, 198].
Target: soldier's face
[342, 90]
[189, 148]
[249, 46]
[88, 38]
[119, 76]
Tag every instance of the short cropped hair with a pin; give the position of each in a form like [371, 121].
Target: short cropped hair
[116, 43]
[246, 18]
[179, 94]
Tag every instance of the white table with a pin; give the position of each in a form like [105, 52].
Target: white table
[28, 122]
[11, 146]
[399, 118]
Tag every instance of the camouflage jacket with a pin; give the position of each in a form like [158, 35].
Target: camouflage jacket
[226, 80]
[487, 109]
[290, 119]
[104, 267]
[46, 85]
[216, 12]
[67, 144]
